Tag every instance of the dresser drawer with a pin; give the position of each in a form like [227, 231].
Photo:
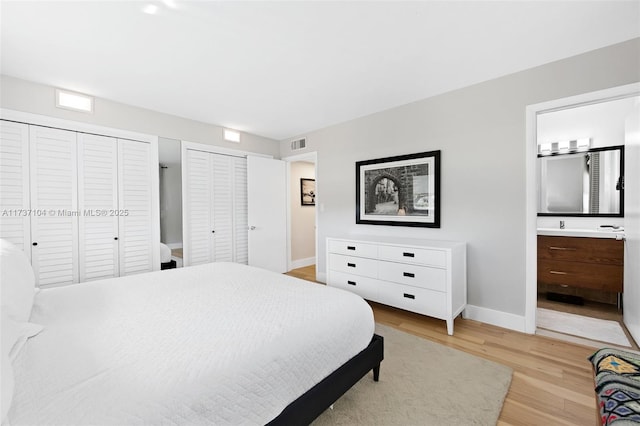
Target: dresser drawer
[581, 275]
[353, 265]
[413, 255]
[353, 248]
[414, 275]
[576, 249]
[363, 286]
[419, 300]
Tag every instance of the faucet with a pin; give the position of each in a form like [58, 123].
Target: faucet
[562, 224]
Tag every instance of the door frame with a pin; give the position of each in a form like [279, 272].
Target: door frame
[311, 157]
[531, 154]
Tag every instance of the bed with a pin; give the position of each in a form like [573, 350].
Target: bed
[219, 343]
[166, 261]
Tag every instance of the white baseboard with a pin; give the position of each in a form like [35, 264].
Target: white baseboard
[301, 263]
[497, 318]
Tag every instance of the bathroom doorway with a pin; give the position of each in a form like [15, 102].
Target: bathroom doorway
[302, 212]
[564, 307]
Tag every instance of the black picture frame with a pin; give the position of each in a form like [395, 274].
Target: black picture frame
[307, 192]
[400, 191]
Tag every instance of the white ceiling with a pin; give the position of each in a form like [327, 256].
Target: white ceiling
[280, 69]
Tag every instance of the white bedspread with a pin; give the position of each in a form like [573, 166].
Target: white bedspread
[213, 344]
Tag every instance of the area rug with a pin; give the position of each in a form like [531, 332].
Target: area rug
[423, 383]
[586, 327]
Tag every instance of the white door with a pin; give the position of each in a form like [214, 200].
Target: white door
[631, 302]
[214, 208]
[135, 206]
[240, 219]
[222, 208]
[229, 208]
[98, 204]
[15, 223]
[266, 183]
[196, 207]
[54, 204]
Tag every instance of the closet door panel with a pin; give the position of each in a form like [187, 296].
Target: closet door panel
[197, 194]
[222, 208]
[98, 202]
[15, 218]
[54, 193]
[135, 206]
[241, 233]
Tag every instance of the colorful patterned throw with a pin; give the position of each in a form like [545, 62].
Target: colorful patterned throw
[617, 376]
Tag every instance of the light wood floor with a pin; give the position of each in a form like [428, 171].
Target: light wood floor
[552, 382]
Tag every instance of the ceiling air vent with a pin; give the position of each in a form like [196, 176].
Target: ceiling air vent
[298, 144]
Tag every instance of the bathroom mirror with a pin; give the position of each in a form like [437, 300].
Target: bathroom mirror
[586, 183]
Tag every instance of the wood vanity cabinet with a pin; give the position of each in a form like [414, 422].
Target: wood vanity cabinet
[591, 263]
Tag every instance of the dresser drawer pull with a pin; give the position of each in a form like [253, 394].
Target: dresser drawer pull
[558, 273]
[351, 282]
[562, 248]
[407, 254]
[409, 296]
[351, 247]
[351, 265]
[409, 274]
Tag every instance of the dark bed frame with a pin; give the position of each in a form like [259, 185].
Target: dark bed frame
[316, 400]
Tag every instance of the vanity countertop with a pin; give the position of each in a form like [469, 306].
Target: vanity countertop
[590, 233]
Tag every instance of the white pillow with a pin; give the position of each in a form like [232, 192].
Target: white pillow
[17, 282]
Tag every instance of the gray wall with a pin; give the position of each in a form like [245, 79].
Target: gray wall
[26, 96]
[481, 132]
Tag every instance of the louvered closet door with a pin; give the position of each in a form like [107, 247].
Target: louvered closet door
[241, 237]
[222, 208]
[54, 193]
[135, 206]
[197, 212]
[98, 202]
[15, 223]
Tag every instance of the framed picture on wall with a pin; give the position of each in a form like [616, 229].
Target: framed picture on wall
[402, 190]
[307, 192]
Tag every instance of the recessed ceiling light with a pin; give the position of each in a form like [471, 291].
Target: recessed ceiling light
[231, 135]
[150, 9]
[74, 101]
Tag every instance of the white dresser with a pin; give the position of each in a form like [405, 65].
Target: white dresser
[423, 276]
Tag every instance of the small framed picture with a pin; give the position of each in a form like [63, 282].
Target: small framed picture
[307, 192]
[402, 190]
